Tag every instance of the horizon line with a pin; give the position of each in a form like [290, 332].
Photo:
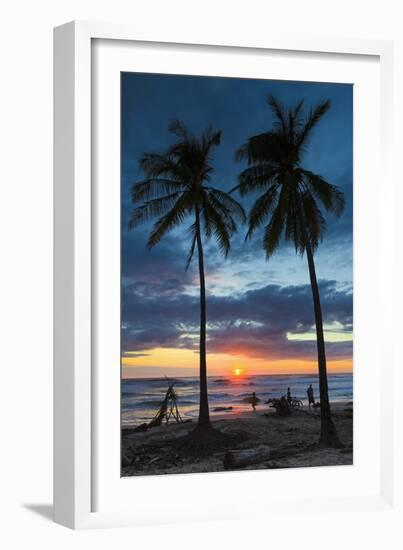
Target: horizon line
[236, 378]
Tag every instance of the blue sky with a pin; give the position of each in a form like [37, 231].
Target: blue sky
[266, 303]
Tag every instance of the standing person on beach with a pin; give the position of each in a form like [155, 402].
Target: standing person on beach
[288, 395]
[311, 399]
[254, 400]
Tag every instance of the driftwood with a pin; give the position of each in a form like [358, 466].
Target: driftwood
[219, 409]
[141, 428]
[241, 458]
[168, 410]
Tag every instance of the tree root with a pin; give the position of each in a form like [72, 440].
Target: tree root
[205, 441]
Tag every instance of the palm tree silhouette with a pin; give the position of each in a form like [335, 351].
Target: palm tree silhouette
[176, 188]
[290, 202]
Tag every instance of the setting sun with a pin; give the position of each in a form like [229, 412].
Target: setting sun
[237, 372]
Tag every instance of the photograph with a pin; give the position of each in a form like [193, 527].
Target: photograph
[201, 274]
[236, 274]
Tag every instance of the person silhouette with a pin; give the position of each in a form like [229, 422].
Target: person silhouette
[254, 401]
[288, 395]
[311, 399]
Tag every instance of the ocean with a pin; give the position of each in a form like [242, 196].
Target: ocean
[141, 397]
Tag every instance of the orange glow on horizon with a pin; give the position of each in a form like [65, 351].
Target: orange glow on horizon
[185, 362]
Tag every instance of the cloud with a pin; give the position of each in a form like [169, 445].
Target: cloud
[254, 323]
[159, 272]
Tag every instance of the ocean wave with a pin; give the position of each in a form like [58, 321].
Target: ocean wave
[146, 404]
[141, 398]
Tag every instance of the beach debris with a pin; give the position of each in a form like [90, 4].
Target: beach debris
[293, 402]
[154, 459]
[168, 410]
[219, 409]
[296, 403]
[282, 406]
[240, 458]
[141, 428]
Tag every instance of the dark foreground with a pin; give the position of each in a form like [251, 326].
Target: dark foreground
[280, 442]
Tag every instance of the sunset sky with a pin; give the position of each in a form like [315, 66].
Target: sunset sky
[259, 312]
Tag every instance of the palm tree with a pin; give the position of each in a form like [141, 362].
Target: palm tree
[290, 205]
[176, 187]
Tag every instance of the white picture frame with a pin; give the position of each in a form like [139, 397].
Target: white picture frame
[78, 388]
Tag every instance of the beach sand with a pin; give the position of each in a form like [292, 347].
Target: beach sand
[291, 440]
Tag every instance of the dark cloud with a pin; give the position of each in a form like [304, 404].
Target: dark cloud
[158, 272]
[255, 323]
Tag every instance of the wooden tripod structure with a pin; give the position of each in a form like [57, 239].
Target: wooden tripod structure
[168, 409]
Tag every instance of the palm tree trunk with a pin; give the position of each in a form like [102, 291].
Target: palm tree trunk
[204, 415]
[328, 434]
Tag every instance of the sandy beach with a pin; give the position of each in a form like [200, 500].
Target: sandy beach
[291, 440]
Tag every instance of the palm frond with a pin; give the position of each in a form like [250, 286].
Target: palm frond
[256, 177]
[222, 211]
[153, 188]
[242, 153]
[275, 227]
[262, 208]
[316, 113]
[217, 226]
[171, 219]
[235, 209]
[329, 195]
[297, 111]
[293, 231]
[294, 122]
[268, 148]
[151, 209]
[156, 165]
[279, 112]
[314, 220]
[177, 128]
[208, 226]
[211, 138]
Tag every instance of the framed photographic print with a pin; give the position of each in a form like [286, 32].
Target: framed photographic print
[215, 334]
[219, 241]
